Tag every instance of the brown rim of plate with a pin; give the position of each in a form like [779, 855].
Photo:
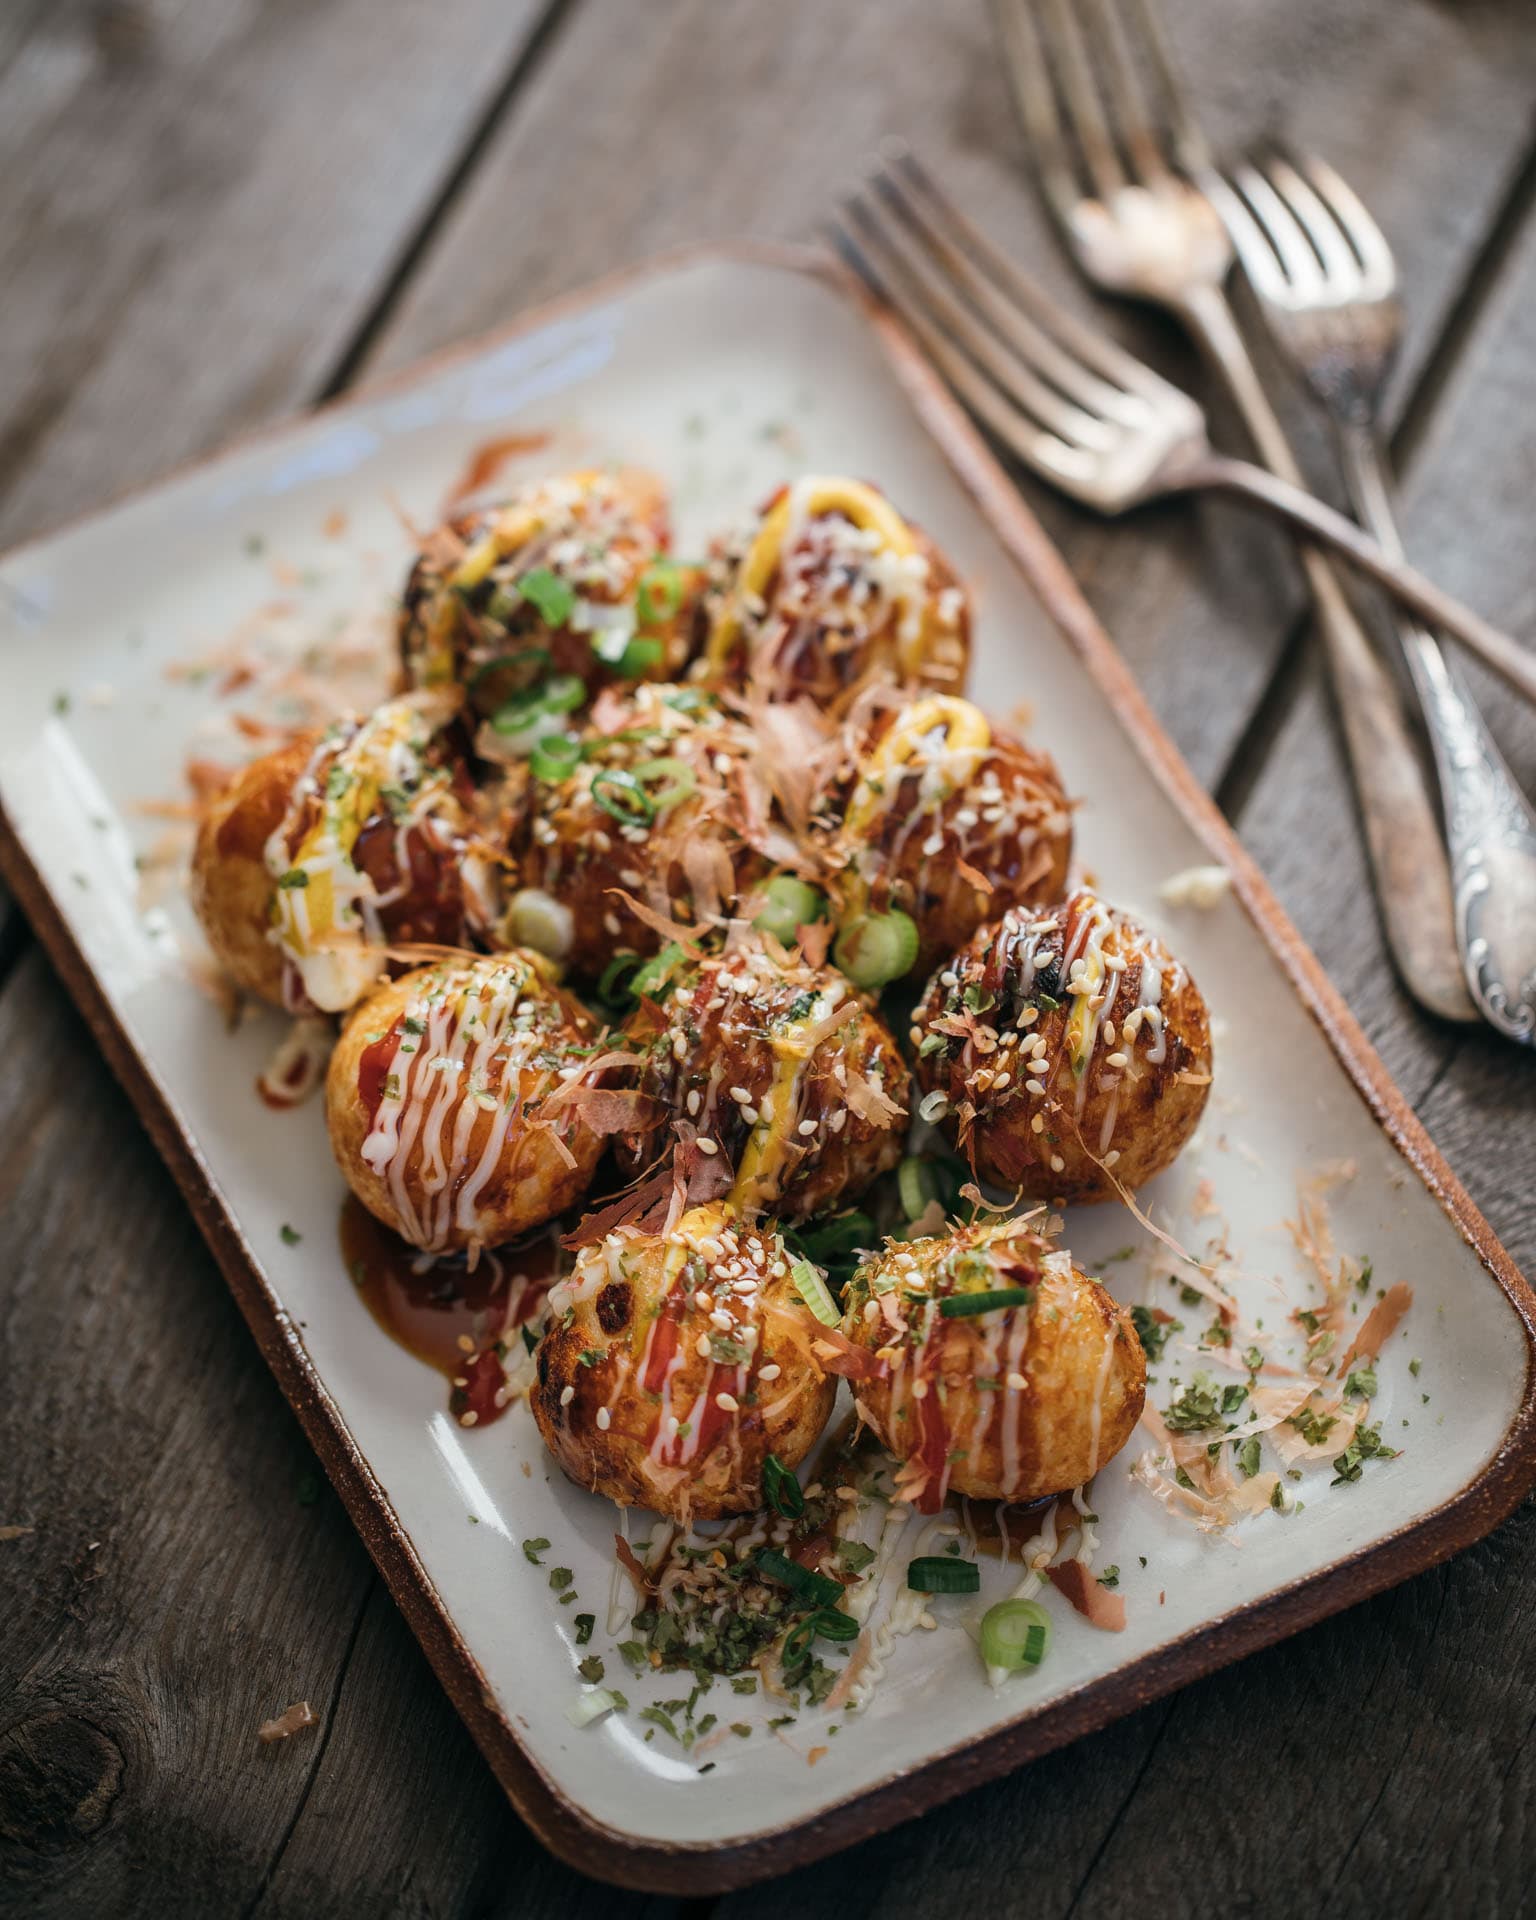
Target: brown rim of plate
[703, 1868]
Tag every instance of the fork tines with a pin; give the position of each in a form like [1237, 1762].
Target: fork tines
[1097, 126]
[1057, 392]
[1303, 235]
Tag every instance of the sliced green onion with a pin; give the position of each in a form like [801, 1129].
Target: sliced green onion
[781, 1489]
[657, 971]
[812, 1289]
[615, 988]
[660, 593]
[917, 1185]
[637, 657]
[797, 1642]
[1014, 1634]
[683, 778]
[817, 1589]
[877, 948]
[520, 710]
[555, 758]
[961, 1306]
[621, 795]
[554, 597]
[528, 660]
[788, 905]
[502, 605]
[831, 1623]
[942, 1573]
[535, 919]
[837, 1237]
[563, 692]
[587, 1707]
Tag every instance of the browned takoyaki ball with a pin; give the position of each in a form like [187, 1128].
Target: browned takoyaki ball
[1014, 1400]
[448, 1108]
[676, 1363]
[830, 589]
[231, 884]
[663, 808]
[568, 577]
[1063, 1047]
[948, 822]
[321, 855]
[779, 1069]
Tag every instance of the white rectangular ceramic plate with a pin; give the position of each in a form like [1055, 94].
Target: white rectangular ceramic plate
[726, 373]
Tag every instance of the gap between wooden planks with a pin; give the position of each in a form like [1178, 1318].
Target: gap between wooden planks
[559, 193]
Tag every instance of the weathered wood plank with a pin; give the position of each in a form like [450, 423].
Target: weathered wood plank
[1383, 1756]
[395, 1811]
[199, 203]
[649, 127]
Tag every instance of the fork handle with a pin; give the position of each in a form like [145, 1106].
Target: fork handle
[1489, 826]
[1410, 588]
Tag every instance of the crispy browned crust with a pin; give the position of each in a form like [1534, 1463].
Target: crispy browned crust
[532, 1179]
[720, 1046]
[641, 533]
[952, 868]
[595, 1349]
[1073, 1347]
[1109, 1127]
[827, 659]
[230, 887]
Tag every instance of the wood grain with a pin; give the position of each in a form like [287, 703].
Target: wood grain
[200, 201]
[788, 103]
[209, 211]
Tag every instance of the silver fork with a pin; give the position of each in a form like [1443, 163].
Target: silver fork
[1125, 171]
[1081, 411]
[1326, 282]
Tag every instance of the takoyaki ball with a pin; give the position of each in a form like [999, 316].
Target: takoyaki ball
[449, 1111]
[831, 589]
[1063, 1047]
[779, 1068]
[570, 577]
[332, 850]
[662, 807]
[948, 823]
[990, 1365]
[676, 1363]
[230, 884]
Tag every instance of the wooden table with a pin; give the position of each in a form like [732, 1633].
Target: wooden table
[216, 211]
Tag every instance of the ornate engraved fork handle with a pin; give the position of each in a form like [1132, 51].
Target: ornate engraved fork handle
[1490, 829]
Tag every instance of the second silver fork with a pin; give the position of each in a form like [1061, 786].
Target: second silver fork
[1124, 179]
[1326, 283]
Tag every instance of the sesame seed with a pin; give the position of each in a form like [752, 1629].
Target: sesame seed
[603, 1419]
[1037, 1125]
[807, 1127]
[838, 1121]
[468, 1419]
[1116, 1060]
[770, 1372]
[466, 1345]
[1058, 1165]
[727, 1403]
[701, 1346]
[695, 1101]
[567, 1395]
[741, 1096]
[1016, 1381]
[708, 1146]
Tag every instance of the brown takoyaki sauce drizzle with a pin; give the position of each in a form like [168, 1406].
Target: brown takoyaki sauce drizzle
[454, 1319]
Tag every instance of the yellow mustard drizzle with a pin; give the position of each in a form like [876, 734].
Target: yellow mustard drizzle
[513, 528]
[762, 1159]
[857, 503]
[313, 917]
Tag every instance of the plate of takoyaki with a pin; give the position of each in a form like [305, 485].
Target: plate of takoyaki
[802, 1255]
